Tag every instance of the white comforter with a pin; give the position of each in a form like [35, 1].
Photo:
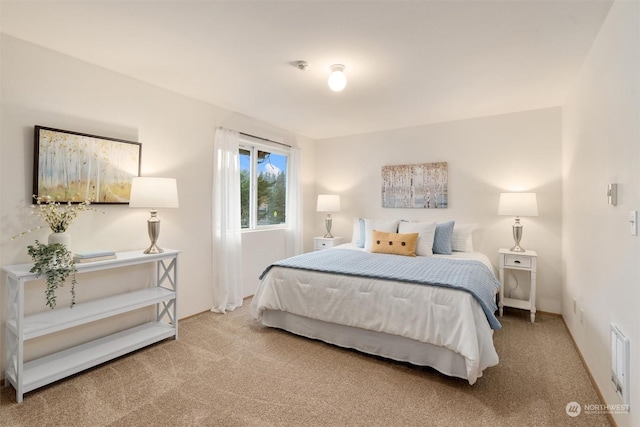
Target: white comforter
[440, 316]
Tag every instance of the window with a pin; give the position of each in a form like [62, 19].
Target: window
[263, 185]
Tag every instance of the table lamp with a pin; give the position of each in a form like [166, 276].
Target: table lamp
[518, 204]
[328, 203]
[153, 193]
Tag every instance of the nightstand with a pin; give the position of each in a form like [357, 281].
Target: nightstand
[320, 243]
[524, 261]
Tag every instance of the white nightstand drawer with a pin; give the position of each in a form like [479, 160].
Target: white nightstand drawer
[320, 243]
[517, 261]
[323, 244]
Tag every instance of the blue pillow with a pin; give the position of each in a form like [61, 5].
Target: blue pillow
[442, 240]
[362, 233]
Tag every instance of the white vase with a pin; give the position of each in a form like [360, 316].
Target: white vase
[62, 238]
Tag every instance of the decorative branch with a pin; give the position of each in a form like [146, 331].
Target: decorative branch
[57, 216]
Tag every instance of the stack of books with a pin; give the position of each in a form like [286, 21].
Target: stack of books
[83, 257]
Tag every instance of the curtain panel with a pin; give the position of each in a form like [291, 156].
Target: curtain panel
[227, 238]
[294, 205]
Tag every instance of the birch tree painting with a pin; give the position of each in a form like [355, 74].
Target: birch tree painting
[73, 167]
[415, 186]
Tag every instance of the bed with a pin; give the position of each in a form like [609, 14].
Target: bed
[435, 311]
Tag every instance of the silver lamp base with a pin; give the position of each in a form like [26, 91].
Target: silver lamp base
[327, 223]
[153, 227]
[517, 235]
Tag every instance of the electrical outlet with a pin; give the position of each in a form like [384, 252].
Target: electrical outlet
[575, 307]
[633, 222]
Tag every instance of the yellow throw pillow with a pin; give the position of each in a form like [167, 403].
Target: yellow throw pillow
[394, 243]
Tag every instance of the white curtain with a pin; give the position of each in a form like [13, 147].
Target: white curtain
[227, 238]
[294, 205]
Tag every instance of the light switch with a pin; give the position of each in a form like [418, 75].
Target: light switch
[633, 222]
[612, 194]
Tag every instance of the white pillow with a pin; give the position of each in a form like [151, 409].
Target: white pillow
[462, 240]
[380, 225]
[355, 237]
[426, 232]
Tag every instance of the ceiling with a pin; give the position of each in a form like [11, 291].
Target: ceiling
[407, 62]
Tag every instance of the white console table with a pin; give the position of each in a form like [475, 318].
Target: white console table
[27, 376]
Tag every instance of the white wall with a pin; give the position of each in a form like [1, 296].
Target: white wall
[601, 145]
[486, 156]
[42, 87]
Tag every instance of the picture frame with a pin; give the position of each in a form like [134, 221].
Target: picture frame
[74, 167]
[423, 185]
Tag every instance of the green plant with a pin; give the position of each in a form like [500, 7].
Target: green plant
[56, 263]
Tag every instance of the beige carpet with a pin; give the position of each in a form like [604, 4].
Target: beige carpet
[226, 370]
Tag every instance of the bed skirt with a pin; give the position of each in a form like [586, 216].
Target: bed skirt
[392, 347]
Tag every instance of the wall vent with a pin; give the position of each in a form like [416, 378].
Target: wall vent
[620, 363]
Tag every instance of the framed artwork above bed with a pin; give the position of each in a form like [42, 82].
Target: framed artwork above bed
[74, 167]
[423, 185]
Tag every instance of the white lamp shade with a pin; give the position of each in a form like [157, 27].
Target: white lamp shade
[154, 193]
[518, 204]
[337, 78]
[328, 203]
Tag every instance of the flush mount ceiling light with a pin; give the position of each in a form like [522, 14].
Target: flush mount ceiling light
[337, 79]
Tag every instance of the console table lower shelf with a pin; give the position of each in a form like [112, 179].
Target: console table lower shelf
[54, 367]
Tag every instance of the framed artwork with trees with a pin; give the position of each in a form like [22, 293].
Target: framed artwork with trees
[74, 167]
[424, 185]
